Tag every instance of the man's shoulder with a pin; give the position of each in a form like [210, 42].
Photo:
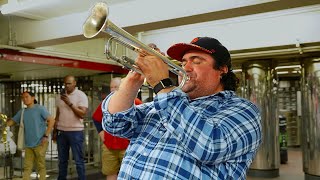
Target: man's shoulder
[79, 92]
[237, 100]
[247, 104]
[38, 106]
[82, 98]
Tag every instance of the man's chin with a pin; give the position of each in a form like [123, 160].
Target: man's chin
[187, 88]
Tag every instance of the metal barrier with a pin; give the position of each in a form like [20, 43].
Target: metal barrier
[46, 92]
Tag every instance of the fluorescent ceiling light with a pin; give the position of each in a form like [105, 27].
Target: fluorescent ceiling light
[237, 70]
[287, 67]
[283, 72]
[316, 60]
[296, 72]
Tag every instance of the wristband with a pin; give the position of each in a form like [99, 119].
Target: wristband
[163, 84]
[70, 104]
[45, 136]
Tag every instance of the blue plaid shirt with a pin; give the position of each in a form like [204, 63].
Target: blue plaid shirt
[173, 137]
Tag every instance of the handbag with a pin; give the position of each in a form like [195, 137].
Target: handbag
[20, 143]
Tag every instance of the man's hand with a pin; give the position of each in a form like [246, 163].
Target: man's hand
[153, 68]
[44, 140]
[54, 135]
[132, 81]
[124, 97]
[65, 98]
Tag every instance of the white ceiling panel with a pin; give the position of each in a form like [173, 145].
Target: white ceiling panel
[28, 71]
[46, 9]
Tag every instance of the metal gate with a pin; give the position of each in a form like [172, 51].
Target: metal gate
[46, 92]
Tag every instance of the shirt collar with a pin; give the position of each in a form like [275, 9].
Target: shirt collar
[222, 94]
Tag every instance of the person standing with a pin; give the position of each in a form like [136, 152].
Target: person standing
[113, 148]
[38, 124]
[200, 131]
[72, 106]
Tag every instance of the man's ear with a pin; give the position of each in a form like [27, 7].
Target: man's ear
[224, 70]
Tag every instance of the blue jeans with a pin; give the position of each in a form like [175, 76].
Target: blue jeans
[65, 140]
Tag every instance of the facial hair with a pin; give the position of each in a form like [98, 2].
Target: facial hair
[189, 86]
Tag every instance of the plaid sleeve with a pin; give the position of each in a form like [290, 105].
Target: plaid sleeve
[211, 132]
[125, 123]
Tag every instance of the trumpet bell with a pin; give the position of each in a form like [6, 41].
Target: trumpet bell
[96, 21]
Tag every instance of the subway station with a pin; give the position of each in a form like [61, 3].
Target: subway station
[274, 47]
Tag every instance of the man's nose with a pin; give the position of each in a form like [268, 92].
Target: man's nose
[188, 66]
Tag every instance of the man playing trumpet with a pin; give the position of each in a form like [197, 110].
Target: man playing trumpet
[201, 131]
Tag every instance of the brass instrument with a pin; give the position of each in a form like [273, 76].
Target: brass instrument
[3, 130]
[98, 22]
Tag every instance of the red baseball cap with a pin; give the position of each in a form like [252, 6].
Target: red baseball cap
[206, 44]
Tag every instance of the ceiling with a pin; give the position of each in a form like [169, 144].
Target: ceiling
[10, 70]
[20, 64]
[46, 9]
[160, 14]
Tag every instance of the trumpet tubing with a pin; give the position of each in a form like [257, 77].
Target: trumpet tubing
[98, 22]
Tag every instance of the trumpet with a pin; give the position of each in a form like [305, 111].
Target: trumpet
[98, 22]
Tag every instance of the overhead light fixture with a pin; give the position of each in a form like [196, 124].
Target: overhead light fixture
[296, 72]
[316, 60]
[283, 72]
[287, 67]
[237, 70]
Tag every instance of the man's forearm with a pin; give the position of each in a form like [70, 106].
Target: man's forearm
[121, 100]
[51, 122]
[79, 111]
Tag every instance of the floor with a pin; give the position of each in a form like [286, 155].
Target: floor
[290, 171]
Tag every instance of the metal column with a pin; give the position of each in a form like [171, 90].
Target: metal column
[311, 120]
[260, 87]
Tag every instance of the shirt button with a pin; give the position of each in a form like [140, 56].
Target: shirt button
[180, 137]
[145, 154]
[165, 124]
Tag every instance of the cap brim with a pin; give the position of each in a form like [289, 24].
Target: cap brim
[177, 51]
